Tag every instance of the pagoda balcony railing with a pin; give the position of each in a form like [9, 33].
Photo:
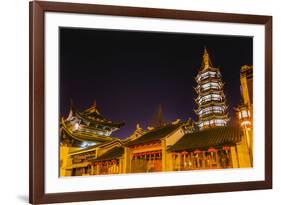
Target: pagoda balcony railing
[203, 101]
[213, 116]
[210, 79]
[210, 113]
[208, 89]
[210, 103]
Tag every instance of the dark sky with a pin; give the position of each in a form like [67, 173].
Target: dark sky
[130, 73]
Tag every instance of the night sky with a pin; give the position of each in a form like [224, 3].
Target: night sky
[130, 73]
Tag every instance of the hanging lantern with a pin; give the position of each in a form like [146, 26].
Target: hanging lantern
[226, 148]
[244, 115]
[197, 151]
[174, 154]
[184, 153]
[212, 149]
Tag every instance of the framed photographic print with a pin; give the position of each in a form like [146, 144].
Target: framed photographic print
[139, 102]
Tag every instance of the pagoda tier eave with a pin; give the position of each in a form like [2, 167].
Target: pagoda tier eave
[224, 107]
[221, 85]
[201, 71]
[210, 91]
[210, 80]
[214, 117]
[207, 102]
[211, 103]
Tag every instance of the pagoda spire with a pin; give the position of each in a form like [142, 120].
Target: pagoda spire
[206, 62]
[158, 118]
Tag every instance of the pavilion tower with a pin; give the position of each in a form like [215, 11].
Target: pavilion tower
[212, 109]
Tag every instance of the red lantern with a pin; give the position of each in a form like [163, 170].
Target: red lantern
[197, 151]
[174, 154]
[226, 148]
[212, 149]
[184, 153]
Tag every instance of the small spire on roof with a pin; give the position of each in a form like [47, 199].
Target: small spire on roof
[71, 110]
[72, 105]
[94, 104]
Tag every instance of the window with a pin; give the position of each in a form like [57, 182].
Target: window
[212, 109]
[210, 97]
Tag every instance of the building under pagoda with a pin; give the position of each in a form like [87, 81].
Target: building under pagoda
[212, 109]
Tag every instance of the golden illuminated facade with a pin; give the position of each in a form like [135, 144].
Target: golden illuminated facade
[245, 110]
[87, 147]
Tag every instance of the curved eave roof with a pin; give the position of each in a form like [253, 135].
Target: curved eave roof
[101, 121]
[83, 137]
[204, 70]
[155, 134]
[211, 80]
[210, 103]
[214, 116]
[225, 107]
[210, 92]
[212, 137]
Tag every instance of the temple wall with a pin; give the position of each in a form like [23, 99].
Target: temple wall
[65, 161]
[126, 165]
[234, 157]
[174, 137]
[243, 154]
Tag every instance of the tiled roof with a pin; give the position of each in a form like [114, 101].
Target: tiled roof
[205, 139]
[114, 153]
[155, 134]
[99, 120]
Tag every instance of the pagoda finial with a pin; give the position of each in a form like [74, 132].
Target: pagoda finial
[206, 63]
[158, 118]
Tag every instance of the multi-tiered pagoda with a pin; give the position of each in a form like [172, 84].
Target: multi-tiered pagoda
[212, 109]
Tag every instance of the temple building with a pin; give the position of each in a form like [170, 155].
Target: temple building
[212, 109]
[83, 132]
[148, 153]
[81, 129]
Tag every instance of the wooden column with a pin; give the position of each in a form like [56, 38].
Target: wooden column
[164, 155]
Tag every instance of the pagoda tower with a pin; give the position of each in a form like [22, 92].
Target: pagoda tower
[212, 109]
